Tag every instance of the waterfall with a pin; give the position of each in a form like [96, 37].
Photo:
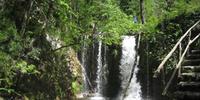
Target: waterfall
[134, 89]
[99, 69]
[99, 80]
[83, 62]
[105, 70]
[131, 88]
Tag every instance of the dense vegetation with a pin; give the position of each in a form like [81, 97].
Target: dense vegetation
[31, 67]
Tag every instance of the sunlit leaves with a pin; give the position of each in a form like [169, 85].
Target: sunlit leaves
[63, 3]
[76, 87]
[25, 68]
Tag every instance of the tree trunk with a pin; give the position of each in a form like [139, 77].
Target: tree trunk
[142, 11]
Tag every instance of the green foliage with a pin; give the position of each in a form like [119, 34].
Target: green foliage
[9, 91]
[157, 11]
[111, 21]
[76, 87]
[24, 68]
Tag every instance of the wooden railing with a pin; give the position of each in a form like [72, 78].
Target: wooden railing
[181, 55]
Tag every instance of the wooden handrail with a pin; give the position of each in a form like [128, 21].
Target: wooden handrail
[173, 50]
[179, 64]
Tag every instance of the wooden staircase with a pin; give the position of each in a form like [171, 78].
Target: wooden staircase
[188, 87]
[187, 67]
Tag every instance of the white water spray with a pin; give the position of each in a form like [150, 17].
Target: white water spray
[128, 60]
[98, 94]
[99, 69]
[134, 89]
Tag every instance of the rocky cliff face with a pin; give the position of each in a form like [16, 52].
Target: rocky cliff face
[74, 64]
[76, 70]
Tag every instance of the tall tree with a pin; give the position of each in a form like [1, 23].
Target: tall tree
[142, 11]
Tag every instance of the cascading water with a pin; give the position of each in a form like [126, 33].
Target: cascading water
[134, 89]
[99, 69]
[99, 80]
[105, 69]
[83, 62]
[130, 87]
